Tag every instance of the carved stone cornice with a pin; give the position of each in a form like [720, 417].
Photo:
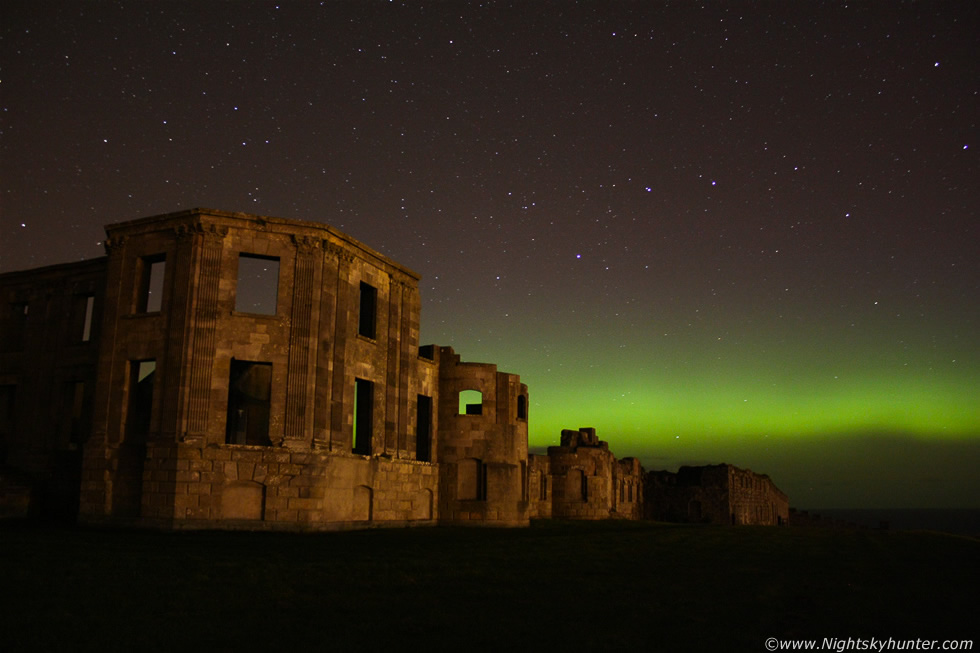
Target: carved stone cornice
[338, 251]
[113, 244]
[306, 244]
[208, 231]
[400, 283]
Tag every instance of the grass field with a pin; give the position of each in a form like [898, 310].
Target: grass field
[572, 586]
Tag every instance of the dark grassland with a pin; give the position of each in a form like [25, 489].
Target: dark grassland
[578, 586]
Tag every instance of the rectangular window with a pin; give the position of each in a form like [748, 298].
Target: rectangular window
[152, 270]
[423, 429]
[141, 376]
[471, 480]
[367, 320]
[249, 400]
[74, 404]
[470, 402]
[83, 308]
[257, 290]
[363, 416]
[15, 326]
[524, 489]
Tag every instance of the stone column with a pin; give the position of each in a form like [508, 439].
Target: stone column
[208, 250]
[172, 373]
[339, 439]
[301, 345]
[325, 331]
[393, 392]
[407, 351]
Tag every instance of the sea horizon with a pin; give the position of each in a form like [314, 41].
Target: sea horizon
[959, 521]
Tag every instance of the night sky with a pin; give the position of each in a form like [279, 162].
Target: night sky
[742, 232]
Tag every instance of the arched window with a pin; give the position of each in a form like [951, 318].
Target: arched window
[521, 407]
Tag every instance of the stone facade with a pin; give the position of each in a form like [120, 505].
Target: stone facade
[49, 335]
[482, 444]
[242, 371]
[581, 479]
[260, 370]
[715, 494]
[224, 370]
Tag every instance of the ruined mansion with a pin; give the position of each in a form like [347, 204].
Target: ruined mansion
[223, 370]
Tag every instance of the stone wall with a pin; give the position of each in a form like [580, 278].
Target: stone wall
[715, 494]
[540, 486]
[627, 489]
[224, 370]
[258, 488]
[755, 499]
[589, 483]
[483, 453]
[232, 340]
[50, 326]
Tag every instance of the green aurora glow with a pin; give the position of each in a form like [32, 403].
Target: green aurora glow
[890, 419]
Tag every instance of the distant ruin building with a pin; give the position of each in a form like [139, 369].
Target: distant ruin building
[223, 370]
[586, 481]
[715, 494]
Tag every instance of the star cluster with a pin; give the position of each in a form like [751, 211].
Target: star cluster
[740, 231]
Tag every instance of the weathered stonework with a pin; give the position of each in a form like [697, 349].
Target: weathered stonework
[224, 370]
[581, 479]
[716, 494]
[248, 372]
[49, 335]
[482, 447]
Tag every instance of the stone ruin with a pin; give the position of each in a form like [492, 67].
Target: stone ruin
[715, 494]
[224, 370]
[586, 480]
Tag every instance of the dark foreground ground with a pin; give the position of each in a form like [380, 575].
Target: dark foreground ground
[570, 586]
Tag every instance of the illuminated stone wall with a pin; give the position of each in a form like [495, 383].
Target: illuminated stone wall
[482, 444]
[223, 370]
[260, 372]
[587, 482]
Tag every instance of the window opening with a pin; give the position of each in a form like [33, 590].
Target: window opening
[152, 272]
[87, 321]
[15, 326]
[249, 393]
[141, 378]
[72, 415]
[470, 402]
[363, 416]
[524, 484]
[472, 480]
[423, 429]
[367, 321]
[521, 407]
[257, 289]
[81, 315]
